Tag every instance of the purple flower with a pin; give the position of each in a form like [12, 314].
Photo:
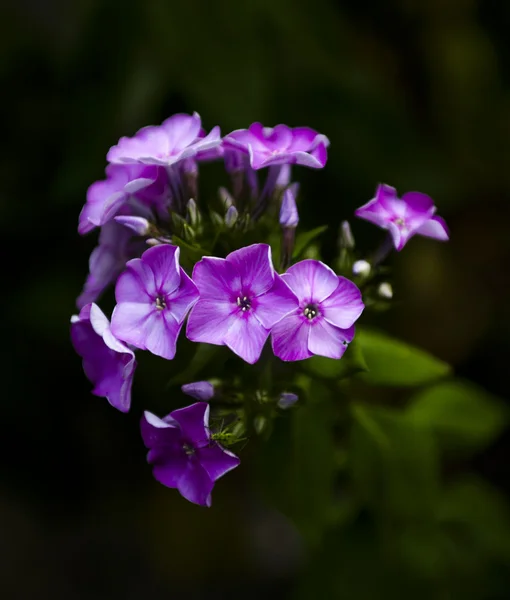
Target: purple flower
[183, 454]
[153, 297]
[179, 137]
[116, 247]
[280, 145]
[201, 390]
[323, 323]
[107, 362]
[241, 298]
[142, 189]
[404, 217]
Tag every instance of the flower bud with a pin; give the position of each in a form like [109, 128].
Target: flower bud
[138, 224]
[201, 390]
[193, 213]
[361, 267]
[231, 216]
[385, 290]
[286, 400]
[289, 216]
[346, 239]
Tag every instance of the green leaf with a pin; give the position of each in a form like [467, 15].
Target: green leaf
[395, 363]
[351, 363]
[393, 463]
[297, 467]
[478, 516]
[305, 239]
[462, 415]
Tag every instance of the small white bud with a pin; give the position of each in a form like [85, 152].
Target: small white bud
[361, 267]
[385, 290]
[231, 216]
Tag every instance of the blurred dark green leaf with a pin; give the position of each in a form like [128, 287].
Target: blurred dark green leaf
[462, 415]
[395, 363]
[393, 463]
[303, 240]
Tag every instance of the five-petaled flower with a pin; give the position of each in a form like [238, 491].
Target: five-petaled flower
[323, 323]
[279, 145]
[107, 362]
[404, 217]
[241, 299]
[183, 453]
[180, 136]
[153, 297]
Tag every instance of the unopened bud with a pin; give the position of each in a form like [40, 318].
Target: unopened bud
[287, 400]
[385, 290]
[137, 224]
[346, 238]
[289, 216]
[361, 267]
[231, 216]
[193, 213]
[225, 198]
[201, 390]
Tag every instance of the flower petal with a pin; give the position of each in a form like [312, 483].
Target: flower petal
[182, 299]
[246, 336]
[195, 484]
[163, 260]
[136, 283]
[201, 390]
[159, 432]
[194, 423]
[275, 304]
[130, 320]
[209, 321]
[289, 338]
[217, 460]
[327, 340]
[435, 228]
[343, 307]
[254, 265]
[161, 331]
[217, 279]
[181, 130]
[311, 280]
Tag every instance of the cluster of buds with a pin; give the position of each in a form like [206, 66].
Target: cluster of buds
[175, 260]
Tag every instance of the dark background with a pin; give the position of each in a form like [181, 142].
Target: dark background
[415, 94]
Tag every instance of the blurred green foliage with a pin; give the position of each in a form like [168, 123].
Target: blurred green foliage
[397, 491]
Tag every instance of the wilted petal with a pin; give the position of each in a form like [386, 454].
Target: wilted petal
[217, 460]
[327, 340]
[194, 423]
[255, 267]
[278, 302]
[289, 338]
[246, 337]
[343, 307]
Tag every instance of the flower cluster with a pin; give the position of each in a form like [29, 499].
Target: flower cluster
[176, 261]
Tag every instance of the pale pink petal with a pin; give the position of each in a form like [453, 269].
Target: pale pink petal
[246, 336]
[343, 307]
[182, 299]
[435, 228]
[289, 338]
[210, 320]
[327, 340]
[311, 280]
[278, 302]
